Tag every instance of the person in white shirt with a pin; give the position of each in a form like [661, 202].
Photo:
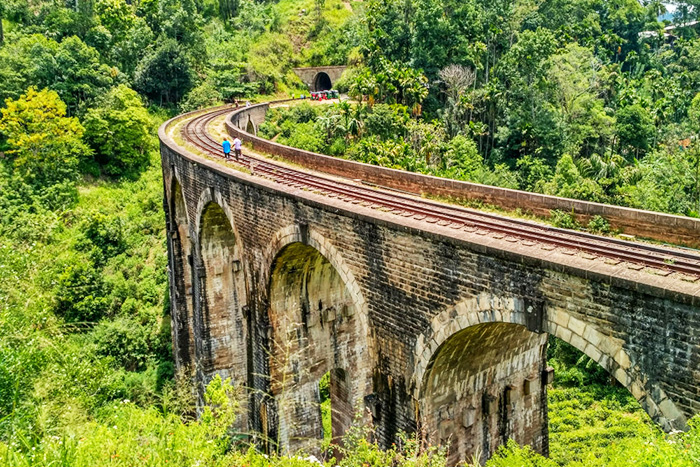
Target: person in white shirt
[237, 147]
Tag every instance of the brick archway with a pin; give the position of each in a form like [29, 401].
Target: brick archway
[605, 350]
[609, 353]
[220, 296]
[315, 310]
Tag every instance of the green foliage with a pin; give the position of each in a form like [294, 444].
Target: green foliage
[599, 225]
[564, 220]
[126, 340]
[80, 294]
[304, 136]
[117, 16]
[463, 156]
[568, 182]
[392, 83]
[220, 408]
[324, 389]
[532, 172]
[511, 455]
[665, 181]
[358, 451]
[71, 68]
[44, 147]
[66, 276]
[203, 96]
[102, 237]
[269, 61]
[634, 128]
[165, 75]
[119, 130]
[386, 121]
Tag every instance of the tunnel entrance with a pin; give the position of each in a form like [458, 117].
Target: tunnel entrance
[312, 317]
[483, 386]
[322, 82]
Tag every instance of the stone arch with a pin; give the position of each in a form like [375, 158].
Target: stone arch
[250, 127]
[479, 377]
[318, 324]
[609, 353]
[297, 233]
[223, 346]
[322, 82]
[212, 195]
[182, 305]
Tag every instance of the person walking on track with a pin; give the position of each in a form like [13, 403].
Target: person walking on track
[227, 148]
[237, 147]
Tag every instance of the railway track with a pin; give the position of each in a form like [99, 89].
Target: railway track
[663, 259]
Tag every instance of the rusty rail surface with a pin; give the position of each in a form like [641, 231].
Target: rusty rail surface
[666, 259]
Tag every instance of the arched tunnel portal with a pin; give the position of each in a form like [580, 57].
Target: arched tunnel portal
[322, 82]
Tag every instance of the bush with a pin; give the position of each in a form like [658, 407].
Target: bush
[512, 455]
[305, 136]
[462, 156]
[359, 451]
[80, 294]
[126, 340]
[302, 113]
[387, 121]
[119, 131]
[165, 75]
[599, 225]
[563, 220]
[101, 236]
[43, 145]
[203, 96]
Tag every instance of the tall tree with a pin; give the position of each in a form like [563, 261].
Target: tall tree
[119, 131]
[165, 75]
[44, 146]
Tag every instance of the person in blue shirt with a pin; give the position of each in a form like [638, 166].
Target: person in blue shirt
[227, 148]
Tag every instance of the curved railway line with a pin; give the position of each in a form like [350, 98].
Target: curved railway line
[666, 259]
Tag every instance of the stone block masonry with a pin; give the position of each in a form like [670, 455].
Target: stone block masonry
[422, 327]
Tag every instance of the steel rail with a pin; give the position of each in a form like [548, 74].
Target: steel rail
[196, 132]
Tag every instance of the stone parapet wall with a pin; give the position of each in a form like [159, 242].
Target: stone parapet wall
[647, 224]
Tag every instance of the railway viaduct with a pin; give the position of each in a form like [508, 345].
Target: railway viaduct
[423, 324]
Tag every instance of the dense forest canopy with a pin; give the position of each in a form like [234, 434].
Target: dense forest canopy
[586, 98]
[591, 100]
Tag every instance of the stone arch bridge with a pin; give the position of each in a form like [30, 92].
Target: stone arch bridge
[423, 323]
